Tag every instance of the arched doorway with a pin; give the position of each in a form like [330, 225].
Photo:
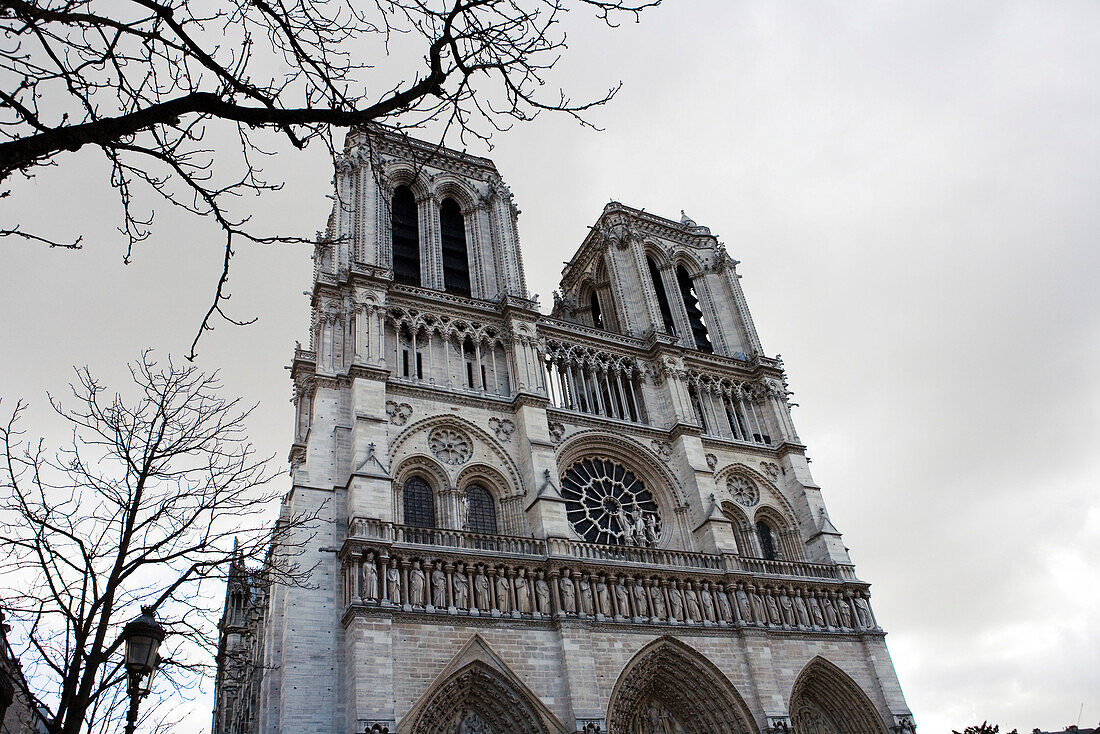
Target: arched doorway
[825, 700]
[477, 699]
[669, 688]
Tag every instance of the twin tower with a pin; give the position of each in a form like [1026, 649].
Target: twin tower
[601, 520]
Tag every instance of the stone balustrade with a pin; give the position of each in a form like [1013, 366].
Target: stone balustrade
[451, 572]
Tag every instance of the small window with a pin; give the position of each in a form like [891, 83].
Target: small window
[406, 237]
[481, 514]
[456, 262]
[766, 536]
[419, 504]
[695, 314]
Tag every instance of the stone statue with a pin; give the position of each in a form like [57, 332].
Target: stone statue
[472, 723]
[773, 609]
[603, 598]
[626, 525]
[758, 612]
[461, 589]
[639, 528]
[708, 604]
[657, 602]
[523, 593]
[417, 585]
[439, 588]
[542, 595]
[482, 597]
[786, 606]
[801, 612]
[393, 583]
[724, 606]
[863, 611]
[830, 612]
[676, 602]
[568, 593]
[692, 602]
[621, 599]
[815, 611]
[503, 603]
[370, 578]
[641, 608]
[744, 606]
[585, 595]
[844, 612]
[464, 511]
[651, 530]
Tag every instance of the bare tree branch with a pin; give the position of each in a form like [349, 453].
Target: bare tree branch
[155, 497]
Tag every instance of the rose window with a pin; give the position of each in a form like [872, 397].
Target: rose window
[743, 491]
[449, 446]
[606, 503]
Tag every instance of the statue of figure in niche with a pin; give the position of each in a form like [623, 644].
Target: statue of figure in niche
[641, 608]
[523, 592]
[542, 594]
[773, 609]
[393, 583]
[503, 603]
[471, 723]
[482, 597]
[863, 611]
[724, 605]
[621, 599]
[370, 578]
[830, 612]
[676, 603]
[439, 588]
[708, 603]
[461, 589]
[651, 530]
[657, 601]
[744, 606]
[801, 612]
[692, 605]
[584, 587]
[844, 612]
[417, 585]
[786, 607]
[568, 593]
[603, 597]
[815, 612]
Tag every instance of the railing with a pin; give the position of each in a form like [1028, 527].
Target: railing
[372, 529]
[796, 568]
[627, 554]
[369, 528]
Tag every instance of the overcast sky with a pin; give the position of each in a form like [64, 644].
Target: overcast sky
[912, 190]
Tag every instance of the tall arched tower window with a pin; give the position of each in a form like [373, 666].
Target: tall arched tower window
[456, 261]
[481, 513]
[597, 315]
[419, 504]
[406, 237]
[766, 536]
[662, 297]
[695, 314]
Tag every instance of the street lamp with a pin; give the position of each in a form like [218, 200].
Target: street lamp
[142, 637]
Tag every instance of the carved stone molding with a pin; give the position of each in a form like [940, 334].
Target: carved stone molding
[450, 446]
[398, 412]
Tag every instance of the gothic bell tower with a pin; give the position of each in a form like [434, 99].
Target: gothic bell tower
[598, 520]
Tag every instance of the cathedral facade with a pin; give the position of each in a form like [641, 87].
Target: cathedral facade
[601, 520]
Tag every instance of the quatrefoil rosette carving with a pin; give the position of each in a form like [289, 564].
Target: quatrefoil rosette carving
[450, 446]
[743, 490]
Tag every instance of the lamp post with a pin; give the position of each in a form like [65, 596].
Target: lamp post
[142, 637]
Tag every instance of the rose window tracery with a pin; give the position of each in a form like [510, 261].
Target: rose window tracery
[449, 446]
[607, 503]
[743, 490]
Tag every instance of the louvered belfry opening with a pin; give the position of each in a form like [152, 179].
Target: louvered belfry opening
[406, 237]
[695, 314]
[456, 261]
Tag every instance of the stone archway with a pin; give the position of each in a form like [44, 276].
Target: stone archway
[825, 700]
[478, 700]
[669, 688]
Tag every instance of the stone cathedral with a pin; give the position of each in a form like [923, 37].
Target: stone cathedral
[601, 520]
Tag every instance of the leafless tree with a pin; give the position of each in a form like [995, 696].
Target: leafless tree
[143, 506]
[156, 84]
